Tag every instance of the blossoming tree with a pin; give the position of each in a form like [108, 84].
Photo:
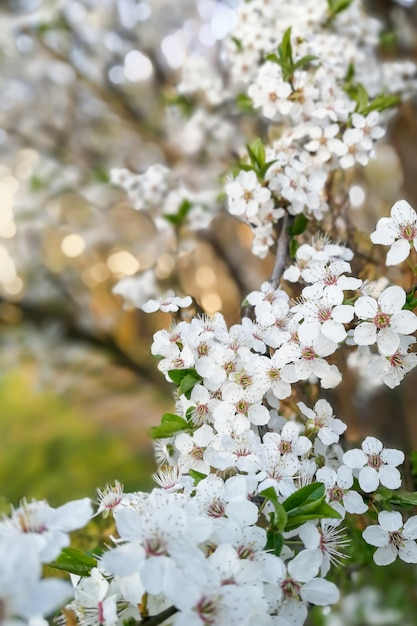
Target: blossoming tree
[254, 486]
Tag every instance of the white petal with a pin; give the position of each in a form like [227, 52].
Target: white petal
[410, 528]
[305, 565]
[390, 477]
[386, 555]
[355, 458]
[320, 592]
[390, 520]
[365, 334]
[408, 552]
[398, 252]
[376, 536]
[388, 341]
[368, 479]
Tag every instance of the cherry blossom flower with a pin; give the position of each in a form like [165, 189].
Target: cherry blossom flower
[385, 320]
[322, 420]
[398, 231]
[394, 365]
[376, 464]
[338, 490]
[246, 194]
[49, 526]
[168, 303]
[393, 538]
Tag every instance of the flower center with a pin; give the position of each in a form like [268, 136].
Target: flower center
[291, 589]
[216, 509]
[308, 354]
[396, 538]
[155, 547]
[381, 320]
[408, 231]
[207, 611]
[244, 552]
[374, 460]
[324, 314]
[242, 407]
[336, 494]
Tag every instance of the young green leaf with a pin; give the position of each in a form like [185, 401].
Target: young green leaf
[74, 562]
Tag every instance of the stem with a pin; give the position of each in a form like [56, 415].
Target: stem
[154, 620]
[282, 251]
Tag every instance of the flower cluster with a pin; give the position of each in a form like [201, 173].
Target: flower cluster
[254, 483]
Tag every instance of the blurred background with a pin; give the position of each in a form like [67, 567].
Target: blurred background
[87, 86]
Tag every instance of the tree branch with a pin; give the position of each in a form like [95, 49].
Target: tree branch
[282, 252]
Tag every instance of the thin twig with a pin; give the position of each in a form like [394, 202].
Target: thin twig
[154, 620]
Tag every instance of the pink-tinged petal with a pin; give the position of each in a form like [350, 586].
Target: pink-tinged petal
[404, 322]
[368, 479]
[385, 555]
[402, 211]
[398, 252]
[388, 341]
[390, 477]
[410, 528]
[391, 456]
[392, 299]
[408, 552]
[320, 592]
[355, 458]
[390, 520]
[375, 536]
[366, 307]
[365, 334]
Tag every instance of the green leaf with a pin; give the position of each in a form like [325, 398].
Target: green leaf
[244, 103]
[305, 495]
[196, 476]
[293, 247]
[285, 48]
[256, 152]
[274, 542]
[299, 225]
[237, 43]
[178, 218]
[280, 516]
[323, 511]
[266, 167]
[381, 103]
[171, 424]
[177, 375]
[304, 61]
[337, 6]
[410, 301]
[74, 562]
[350, 74]
[188, 383]
[405, 497]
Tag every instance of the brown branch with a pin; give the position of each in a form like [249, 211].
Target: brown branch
[282, 251]
[154, 620]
